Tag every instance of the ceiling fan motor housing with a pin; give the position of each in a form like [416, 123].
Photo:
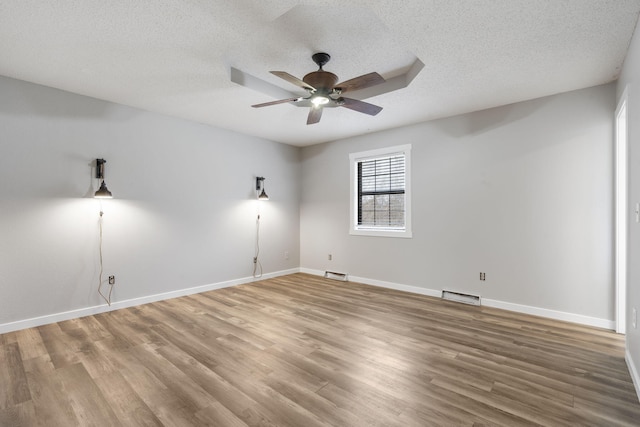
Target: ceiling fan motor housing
[323, 81]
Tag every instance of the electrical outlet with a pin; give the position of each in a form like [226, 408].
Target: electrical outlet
[483, 276]
[286, 254]
[330, 257]
[112, 280]
[634, 318]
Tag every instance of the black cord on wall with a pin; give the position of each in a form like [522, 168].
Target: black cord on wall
[107, 298]
[257, 266]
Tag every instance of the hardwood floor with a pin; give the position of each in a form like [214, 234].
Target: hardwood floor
[305, 351]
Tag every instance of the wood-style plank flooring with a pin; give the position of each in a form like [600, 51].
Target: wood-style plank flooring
[305, 351]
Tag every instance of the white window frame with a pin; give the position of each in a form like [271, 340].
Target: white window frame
[358, 230]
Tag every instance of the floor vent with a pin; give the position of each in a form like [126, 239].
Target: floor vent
[459, 297]
[343, 277]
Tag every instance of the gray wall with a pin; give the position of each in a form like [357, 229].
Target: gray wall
[630, 78]
[184, 212]
[522, 192]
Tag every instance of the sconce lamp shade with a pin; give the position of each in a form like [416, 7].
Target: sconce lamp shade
[262, 195]
[103, 192]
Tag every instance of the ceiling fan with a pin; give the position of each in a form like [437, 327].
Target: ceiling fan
[323, 88]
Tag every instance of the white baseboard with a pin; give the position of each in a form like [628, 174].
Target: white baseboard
[551, 314]
[88, 311]
[519, 308]
[633, 371]
[398, 286]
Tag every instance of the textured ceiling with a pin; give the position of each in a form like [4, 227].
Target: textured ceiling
[175, 56]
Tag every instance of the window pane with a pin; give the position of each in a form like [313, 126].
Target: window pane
[383, 167]
[396, 202]
[382, 202]
[397, 164]
[367, 218]
[381, 185]
[396, 219]
[368, 168]
[382, 218]
[397, 182]
[367, 203]
[368, 183]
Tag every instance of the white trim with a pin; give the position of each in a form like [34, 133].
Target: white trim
[398, 286]
[353, 196]
[311, 271]
[551, 314]
[518, 308]
[380, 283]
[621, 209]
[88, 311]
[633, 372]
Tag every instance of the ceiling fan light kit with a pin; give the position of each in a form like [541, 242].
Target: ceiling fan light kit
[322, 86]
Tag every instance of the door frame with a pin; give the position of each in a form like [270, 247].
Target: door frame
[621, 209]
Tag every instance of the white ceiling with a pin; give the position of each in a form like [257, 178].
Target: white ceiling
[175, 56]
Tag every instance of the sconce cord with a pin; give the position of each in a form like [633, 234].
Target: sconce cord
[108, 297]
[256, 263]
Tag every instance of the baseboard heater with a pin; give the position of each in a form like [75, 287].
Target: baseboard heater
[460, 297]
[343, 277]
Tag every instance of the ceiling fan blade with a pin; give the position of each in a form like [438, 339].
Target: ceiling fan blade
[315, 113]
[361, 82]
[360, 106]
[280, 101]
[292, 79]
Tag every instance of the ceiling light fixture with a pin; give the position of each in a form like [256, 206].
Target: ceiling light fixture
[260, 188]
[103, 192]
[320, 100]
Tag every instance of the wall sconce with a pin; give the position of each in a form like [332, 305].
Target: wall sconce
[260, 189]
[103, 192]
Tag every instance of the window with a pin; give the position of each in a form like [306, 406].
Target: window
[380, 192]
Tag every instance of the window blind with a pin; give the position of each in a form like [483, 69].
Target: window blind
[381, 192]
